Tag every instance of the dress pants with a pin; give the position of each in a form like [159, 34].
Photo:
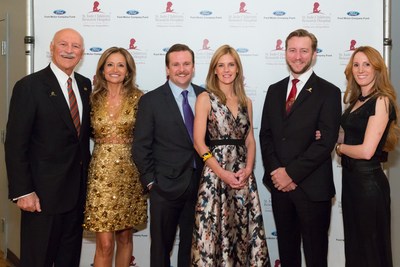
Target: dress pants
[48, 239]
[299, 219]
[165, 217]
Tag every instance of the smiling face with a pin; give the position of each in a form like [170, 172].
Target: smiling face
[180, 68]
[115, 69]
[226, 69]
[363, 72]
[66, 50]
[299, 55]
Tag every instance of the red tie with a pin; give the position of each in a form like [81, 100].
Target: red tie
[292, 95]
[73, 106]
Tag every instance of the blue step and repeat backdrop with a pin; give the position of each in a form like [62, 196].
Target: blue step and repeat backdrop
[257, 29]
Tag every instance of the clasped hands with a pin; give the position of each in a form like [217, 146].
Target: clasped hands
[236, 180]
[282, 181]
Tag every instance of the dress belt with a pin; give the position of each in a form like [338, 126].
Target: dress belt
[226, 142]
[361, 164]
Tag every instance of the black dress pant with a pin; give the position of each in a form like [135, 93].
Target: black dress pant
[298, 219]
[51, 239]
[165, 218]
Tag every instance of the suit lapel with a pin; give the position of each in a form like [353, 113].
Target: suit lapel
[85, 94]
[304, 94]
[282, 97]
[57, 97]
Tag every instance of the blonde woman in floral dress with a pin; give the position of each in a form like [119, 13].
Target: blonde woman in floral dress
[229, 228]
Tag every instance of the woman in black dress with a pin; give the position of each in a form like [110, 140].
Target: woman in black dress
[370, 131]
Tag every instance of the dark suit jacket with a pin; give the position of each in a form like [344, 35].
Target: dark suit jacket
[162, 148]
[289, 140]
[43, 151]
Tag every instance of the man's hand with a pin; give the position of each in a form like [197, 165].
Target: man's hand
[292, 186]
[280, 178]
[30, 203]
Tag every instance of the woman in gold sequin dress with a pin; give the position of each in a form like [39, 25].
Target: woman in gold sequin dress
[115, 200]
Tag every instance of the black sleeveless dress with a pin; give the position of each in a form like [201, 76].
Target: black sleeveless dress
[365, 195]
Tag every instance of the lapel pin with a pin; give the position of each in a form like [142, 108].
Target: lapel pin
[53, 93]
[85, 89]
[309, 90]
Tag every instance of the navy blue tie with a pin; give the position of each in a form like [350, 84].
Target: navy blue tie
[187, 113]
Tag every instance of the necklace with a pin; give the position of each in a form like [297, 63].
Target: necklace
[362, 98]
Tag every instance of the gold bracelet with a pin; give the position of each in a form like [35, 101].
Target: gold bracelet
[337, 149]
[206, 156]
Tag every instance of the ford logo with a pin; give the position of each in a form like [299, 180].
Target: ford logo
[274, 233]
[96, 49]
[279, 13]
[132, 12]
[353, 13]
[205, 13]
[319, 50]
[59, 12]
[165, 49]
[242, 50]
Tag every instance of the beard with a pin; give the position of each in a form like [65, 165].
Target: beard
[304, 69]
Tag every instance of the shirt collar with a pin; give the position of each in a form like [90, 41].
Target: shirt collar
[303, 77]
[61, 76]
[176, 91]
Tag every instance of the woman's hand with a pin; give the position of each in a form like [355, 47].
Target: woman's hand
[243, 176]
[231, 179]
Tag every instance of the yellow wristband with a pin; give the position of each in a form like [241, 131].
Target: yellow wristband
[206, 156]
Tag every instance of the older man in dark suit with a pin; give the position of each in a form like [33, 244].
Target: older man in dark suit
[47, 155]
[164, 154]
[298, 166]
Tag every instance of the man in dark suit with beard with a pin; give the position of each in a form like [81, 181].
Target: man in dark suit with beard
[47, 155]
[298, 166]
[168, 164]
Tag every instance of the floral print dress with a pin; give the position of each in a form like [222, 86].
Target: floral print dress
[229, 228]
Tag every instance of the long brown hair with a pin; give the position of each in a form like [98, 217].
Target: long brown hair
[129, 83]
[382, 87]
[212, 84]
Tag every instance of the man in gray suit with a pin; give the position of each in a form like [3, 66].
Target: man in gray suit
[168, 164]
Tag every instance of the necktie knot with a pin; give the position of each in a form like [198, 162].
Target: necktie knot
[69, 83]
[185, 94]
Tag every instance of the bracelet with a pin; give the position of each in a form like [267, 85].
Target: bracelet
[206, 156]
[337, 149]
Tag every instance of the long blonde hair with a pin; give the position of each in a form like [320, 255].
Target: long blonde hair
[382, 87]
[212, 84]
[129, 84]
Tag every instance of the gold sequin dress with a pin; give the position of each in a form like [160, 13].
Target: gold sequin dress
[115, 198]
